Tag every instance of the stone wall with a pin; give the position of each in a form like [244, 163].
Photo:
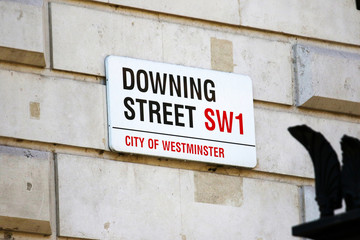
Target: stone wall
[58, 179]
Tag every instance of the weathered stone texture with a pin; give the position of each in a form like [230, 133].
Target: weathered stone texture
[43, 105]
[81, 44]
[52, 110]
[222, 55]
[105, 199]
[311, 209]
[25, 190]
[268, 63]
[277, 151]
[21, 32]
[226, 11]
[118, 199]
[327, 79]
[209, 188]
[334, 20]
[263, 203]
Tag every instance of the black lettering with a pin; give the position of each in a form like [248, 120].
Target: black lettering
[158, 83]
[125, 83]
[154, 111]
[173, 85]
[191, 120]
[141, 107]
[167, 113]
[196, 88]
[178, 115]
[210, 98]
[131, 114]
[185, 87]
[138, 79]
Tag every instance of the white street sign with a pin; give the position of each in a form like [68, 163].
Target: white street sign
[180, 112]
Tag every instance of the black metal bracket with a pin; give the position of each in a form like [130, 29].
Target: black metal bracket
[343, 226]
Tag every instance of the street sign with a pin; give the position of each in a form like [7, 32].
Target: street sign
[180, 112]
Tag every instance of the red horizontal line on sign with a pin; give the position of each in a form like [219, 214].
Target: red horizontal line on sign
[173, 135]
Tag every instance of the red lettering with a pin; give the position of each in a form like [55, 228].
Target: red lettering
[216, 152]
[178, 148]
[241, 124]
[195, 149]
[212, 122]
[211, 148]
[127, 139]
[141, 142]
[205, 150]
[166, 145]
[221, 152]
[134, 141]
[224, 121]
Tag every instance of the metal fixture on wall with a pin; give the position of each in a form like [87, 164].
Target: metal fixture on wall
[332, 183]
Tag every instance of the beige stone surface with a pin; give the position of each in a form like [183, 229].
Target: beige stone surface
[119, 198]
[311, 209]
[22, 32]
[222, 58]
[263, 204]
[80, 108]
[187, 45]
[209, 188]
[327, 79]
[54, 110]
[226, 11]
[81, 44]
[334, 20]
[277, 151]
[267, 62]
[25, 190]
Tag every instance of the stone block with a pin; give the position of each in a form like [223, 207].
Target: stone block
[222, 58]
[25, 190]
[209, 188]
[268, 63]
[81, 44]
[226, 11]
[277, 151]
[327, 79]
[22, 32]
[118, 198]
[311, 209]
[320, 19]
[47, 109]
[262, 204]
[187, 45]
